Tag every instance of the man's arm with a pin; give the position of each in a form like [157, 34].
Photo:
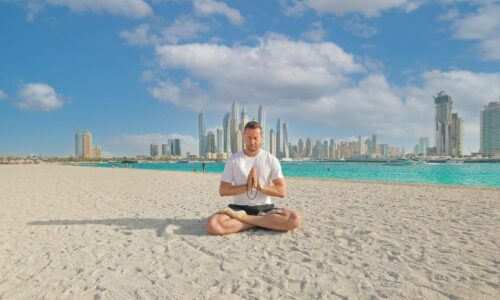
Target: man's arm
[227, 189]
[276, 190]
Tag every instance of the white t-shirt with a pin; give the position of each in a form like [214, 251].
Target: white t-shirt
[238, 166]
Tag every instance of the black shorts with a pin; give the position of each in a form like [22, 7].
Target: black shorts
[257, 210]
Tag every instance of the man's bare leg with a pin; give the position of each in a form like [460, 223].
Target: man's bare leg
[221, 223]
[287, 220]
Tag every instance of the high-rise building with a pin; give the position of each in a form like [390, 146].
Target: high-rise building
[244, 121]
[272, 142]
[279, 141]
[234, 128]
[300, 148]
[374, 144]
[219, 140]
[96, 151]
[262, 122]
[87, 144]
[175, 147]
[308, 148]
[286, 150]
[164, 150]
[153, 150]
[444, 104]
[456, 135]
[423, 144]
[361, 145]
[78, 145]
[490, 128]
[226, 126]
[210, 145]
[239, 141]
[201, 133]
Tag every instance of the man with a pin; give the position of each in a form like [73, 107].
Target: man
[252, 176]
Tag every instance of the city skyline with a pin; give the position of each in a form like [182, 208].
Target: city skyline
[141, 73]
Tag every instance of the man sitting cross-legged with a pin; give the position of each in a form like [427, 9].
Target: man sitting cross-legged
[252, 176]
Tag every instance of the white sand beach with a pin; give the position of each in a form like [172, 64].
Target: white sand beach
[70, 232]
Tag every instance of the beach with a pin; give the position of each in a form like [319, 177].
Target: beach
[69, 232]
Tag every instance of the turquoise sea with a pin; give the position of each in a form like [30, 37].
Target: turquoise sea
[467, 174]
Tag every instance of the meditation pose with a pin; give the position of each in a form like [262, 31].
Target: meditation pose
[252, 176]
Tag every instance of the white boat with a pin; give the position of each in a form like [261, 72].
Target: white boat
[399, 162]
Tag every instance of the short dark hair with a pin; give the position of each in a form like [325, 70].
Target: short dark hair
[253, 125]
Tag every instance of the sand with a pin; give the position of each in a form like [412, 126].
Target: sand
[69, 232]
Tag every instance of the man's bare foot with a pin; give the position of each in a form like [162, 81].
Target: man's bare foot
[238, 215]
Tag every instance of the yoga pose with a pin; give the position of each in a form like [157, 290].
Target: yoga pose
[252, 176]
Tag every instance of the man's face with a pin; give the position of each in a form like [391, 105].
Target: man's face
[252, 139]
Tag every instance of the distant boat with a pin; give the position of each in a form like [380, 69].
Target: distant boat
[399, 162]
[454, 162]
[129, 161]
[286, 159]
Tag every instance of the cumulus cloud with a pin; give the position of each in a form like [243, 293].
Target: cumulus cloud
[138, 144]
[482, 26]
[39, 97]
[140, 36]
[128, 8]
[212, 7]
[184, 28]
[360, 29]
[320, 83]
[366, 8]
[3, 95]
[316, 33]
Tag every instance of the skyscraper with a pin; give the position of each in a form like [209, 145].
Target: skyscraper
[219, 140]
[300, 149]
[175, 147]
[210, 143]
[78, 145]
[87, 144]
[272, 142]
[444, 104]
[164, 149]
[456, 135]
[153, 150]
[244, 121]
[490, 128]
[202, 133]
[279, 141]
[262, 122]
[423, 144]
[374, 144]
[308, 148]
[234, 128]
[226, 122]
[286, 150]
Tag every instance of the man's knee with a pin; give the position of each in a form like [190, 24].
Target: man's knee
[294, 220]
[213, 226]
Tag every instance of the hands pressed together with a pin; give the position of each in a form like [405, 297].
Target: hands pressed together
[253, 180]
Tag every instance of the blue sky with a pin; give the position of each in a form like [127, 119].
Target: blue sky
[135, 72]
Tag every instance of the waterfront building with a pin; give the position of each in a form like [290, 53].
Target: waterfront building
[234, 128]
[226, 126]
[78, 145]
[201, 134]
[300, 148]
[164, 150]
[96, 152]
[286, 149]
[272, 142]
[262, 121]
[219, 140]
[490, 128]
[175, 147]
[210, 143]
[443, 104]
[279, 141]
[239, 141]
[456, 135]
[87, 144]
[423, 144]
[153, 150]
[308, 148]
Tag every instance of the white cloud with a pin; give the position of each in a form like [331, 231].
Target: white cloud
[3, 95]
[212, 7]
[320, 83]
[33, 8]
[184, 28]
[482, 26]
[128, 8]
[140, 36]
[360, 29]
[316, 34]
[367, 8]
[39, 97]
[138, 144]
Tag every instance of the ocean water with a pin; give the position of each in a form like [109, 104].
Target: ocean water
[467, 174]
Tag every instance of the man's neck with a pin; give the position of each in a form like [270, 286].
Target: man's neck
[251, 153]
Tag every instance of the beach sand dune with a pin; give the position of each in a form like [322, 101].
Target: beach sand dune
[97, 233]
